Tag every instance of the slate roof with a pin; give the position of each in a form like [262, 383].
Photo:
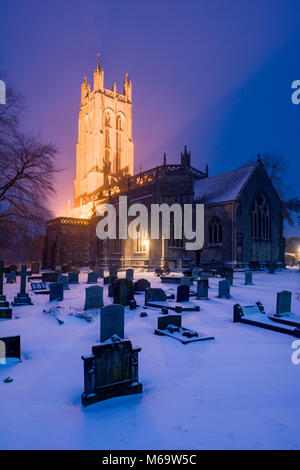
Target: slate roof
[224, 187]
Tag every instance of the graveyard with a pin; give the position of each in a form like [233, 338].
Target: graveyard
[185, 378]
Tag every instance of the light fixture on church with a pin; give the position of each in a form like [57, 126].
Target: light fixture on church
[146, 244]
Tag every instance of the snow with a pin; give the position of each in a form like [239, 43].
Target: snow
[239, 391]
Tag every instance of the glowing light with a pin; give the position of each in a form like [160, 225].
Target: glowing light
[146, 244]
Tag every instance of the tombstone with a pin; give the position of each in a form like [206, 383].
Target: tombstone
[40, 288]
[229, 278]
[5, 311]
[141, 285]
[129, 274]
[13, 267]
[35, 268]
[123, 291]
[22, 298]
[185, 281]
[110, 290]
[109, 279]
[284, 302]
[10, 346]
[56, 291]
[154, 295]
[202, 289]
[195, 273]
[64, 280]
[73, 278]
[93, 297]
[248, 278]
[110, 371]
[58, 271]
[171, 325]
[99, 272]
[204, 276]
[183, 293]
[49, 277]
[224, 289]
[11, 277]
[272, 268]
[92, 278]
[113, 271]
[111, 322]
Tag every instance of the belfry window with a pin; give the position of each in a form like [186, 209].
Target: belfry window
[260, 218]
[107, 119]
[215, 232]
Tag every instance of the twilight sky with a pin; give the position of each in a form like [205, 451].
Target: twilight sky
[213, 74]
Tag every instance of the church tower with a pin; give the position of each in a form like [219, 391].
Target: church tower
[105, 147]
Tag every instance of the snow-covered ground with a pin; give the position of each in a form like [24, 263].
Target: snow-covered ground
[239, 391]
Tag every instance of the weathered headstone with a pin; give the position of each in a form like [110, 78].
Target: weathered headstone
[40, 288]
[111, 370]
[111, 322]
[10, 346]
[272, 268]
[64, 281]
[110, 290]
[284, 302]
[58, 271]
[35, 268]
[204, 276]
[202, 289]
[92, 278]
[141, 285]
[129, 274]
[56, 291]
[5, 311]
[49, 277]
[73, 278]
[123, 291]
[248, 278]
[229, 278]
[185, 281]
[22, 298]
[195, 273]
[183, 293]
[93, 297]
[154, 295]
[113, 271]
[224, 289]
[11, 277]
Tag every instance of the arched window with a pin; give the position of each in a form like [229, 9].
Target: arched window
[107, 138]
[260, 218]
[107, 119]
[119, 123]
[215, 232]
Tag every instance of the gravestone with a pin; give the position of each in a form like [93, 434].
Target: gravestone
[248, 278]
[183, 293]
[92, 278]
[284, 302]
[40, 288]
[56, 291]
[93, 297]
[11, 277]
[99, 271]
[272, 268]
[195, 273]
[202, 289]
[10, 346]
[186, 281]
[111, 322]
[224, 289]
[229, 278]
[154, 295]
[141, 285]
[110, 371]
[123, 291]
[5, 311]
[129, 274]
[110, 290]
[204, 276]
[49, 277]
[109, 279]
[22, 298]
[64, 280]
[113, 271]
[58, 271]
[73, 278]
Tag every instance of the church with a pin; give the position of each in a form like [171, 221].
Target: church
[243, 220]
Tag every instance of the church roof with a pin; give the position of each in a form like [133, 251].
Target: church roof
[224, 187]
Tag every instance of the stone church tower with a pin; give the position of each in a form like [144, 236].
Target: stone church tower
[105, 147]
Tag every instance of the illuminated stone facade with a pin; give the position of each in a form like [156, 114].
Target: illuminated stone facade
[105, 148]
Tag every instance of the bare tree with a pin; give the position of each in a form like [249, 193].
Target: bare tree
[27, 169]
[276, 167]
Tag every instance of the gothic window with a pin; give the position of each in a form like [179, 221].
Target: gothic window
[107, 138]
[141, 242]
[107, 119]
[260, 218]
[119, 123]
[215, 232]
